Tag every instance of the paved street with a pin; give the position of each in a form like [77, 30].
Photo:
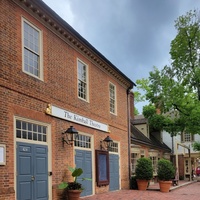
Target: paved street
[187, 192]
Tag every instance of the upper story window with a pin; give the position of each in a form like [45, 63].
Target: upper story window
[82, 81]
[187, 137]
[112, 91]
[32, 50]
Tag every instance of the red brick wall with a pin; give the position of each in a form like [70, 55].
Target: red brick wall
[25, 96]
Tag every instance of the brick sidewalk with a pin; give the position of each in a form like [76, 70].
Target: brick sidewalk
[183, 192]
[180, 184]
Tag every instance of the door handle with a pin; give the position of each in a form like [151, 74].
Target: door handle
[32, 178]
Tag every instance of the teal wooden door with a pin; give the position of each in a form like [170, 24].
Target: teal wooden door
[32, 172]
[83, 159]
[114, 172]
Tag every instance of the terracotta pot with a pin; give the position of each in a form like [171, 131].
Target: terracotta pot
[165, 186]
[142, 184]
[74, 194]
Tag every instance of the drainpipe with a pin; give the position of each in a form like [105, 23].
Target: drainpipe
[129, 134]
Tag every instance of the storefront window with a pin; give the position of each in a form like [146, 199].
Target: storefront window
[134, 158]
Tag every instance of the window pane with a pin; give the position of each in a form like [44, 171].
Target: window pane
[112, 98]
[34, 127]
[39, 129]
[39, 137]
[31, 49]
[24, 134]
[24, 125]
[34, 136]
[44, 138]
[82, 80]
[18, 124]
[18, 135]
[30, 135]
[29, 126]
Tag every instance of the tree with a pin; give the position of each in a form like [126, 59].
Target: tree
[137, 98]
[196, 146]
[175, 89]
[185, 51]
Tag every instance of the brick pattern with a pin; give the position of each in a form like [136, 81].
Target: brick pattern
[25, 96]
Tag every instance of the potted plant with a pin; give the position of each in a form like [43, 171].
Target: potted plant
[143, 172]
[73, 189]
[166, 172]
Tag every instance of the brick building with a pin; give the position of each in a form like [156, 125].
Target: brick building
[147, 144]
[51, 79]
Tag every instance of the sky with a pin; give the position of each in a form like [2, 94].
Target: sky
[134, 35]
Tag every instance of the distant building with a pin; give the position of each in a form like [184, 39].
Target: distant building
[146, 144]
[185, 160]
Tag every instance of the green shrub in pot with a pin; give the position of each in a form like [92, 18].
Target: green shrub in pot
[166, 170]
[144, 169]
[143, 172]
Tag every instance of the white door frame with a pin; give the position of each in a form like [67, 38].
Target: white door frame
[48, 143]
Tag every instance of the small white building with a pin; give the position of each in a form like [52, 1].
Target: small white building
[182, 149]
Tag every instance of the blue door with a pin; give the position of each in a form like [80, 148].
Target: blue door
[32, 172]
[83, 159]
[114, 172]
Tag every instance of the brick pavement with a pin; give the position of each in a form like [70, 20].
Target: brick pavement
[187, 192]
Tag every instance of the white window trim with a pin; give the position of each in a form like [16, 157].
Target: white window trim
[48, 143]
[114, 113]
[41, 76]
[87, 80]
[92, 149]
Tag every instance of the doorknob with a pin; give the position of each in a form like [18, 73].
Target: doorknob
[32, 178]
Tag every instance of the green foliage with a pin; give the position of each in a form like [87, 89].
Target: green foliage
[184, 49]
[133, 183]
[149, 111]
[75, 172]
[166, 170]
[136, 112]
[157, 122]
[144, 169]
[196, 146]
[175, 89]
[138, 97]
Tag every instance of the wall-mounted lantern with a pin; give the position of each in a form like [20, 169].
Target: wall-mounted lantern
[106, 143]
[69, 136]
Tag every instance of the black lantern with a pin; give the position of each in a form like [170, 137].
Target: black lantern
[70, 135]
[106, 143]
